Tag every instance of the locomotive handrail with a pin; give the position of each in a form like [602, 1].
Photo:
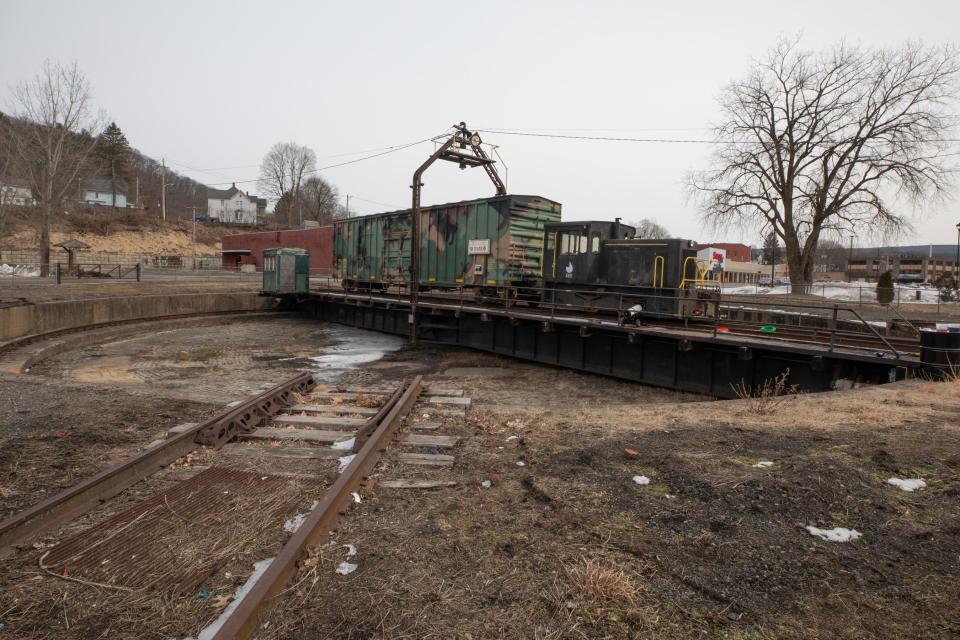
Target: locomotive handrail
[661, 261]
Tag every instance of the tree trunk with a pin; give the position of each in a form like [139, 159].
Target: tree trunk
[45, 239]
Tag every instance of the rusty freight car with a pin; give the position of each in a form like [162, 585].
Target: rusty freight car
[487, 243]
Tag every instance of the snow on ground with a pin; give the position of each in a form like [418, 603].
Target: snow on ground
[909, 484]
[21, 270]
[837, 534]
[846, 291]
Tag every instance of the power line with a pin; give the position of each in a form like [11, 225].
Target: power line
[514, 132]
[387, 150]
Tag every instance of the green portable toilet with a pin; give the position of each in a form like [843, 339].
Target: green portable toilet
[286, 270]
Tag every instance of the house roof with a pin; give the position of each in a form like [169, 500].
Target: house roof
[226, 194]
[104, 185]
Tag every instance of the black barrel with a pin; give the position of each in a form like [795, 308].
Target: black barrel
[940, 351]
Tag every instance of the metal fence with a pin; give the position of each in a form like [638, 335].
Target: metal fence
[32, 256]
[860, 294]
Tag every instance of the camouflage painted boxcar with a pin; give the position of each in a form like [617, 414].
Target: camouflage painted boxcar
[490, 242]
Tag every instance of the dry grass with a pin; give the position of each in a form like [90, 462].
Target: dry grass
[766, 398]
[600, 583]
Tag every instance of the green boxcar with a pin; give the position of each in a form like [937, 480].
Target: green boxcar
[286, 270]
[486, 243]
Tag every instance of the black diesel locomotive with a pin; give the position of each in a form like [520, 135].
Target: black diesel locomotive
[600, 266]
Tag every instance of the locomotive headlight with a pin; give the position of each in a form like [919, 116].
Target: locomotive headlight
[475, 140]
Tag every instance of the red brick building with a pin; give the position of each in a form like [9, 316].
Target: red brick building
[735, 252]
[247, 248]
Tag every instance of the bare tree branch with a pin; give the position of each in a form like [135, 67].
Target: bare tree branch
[815, 142]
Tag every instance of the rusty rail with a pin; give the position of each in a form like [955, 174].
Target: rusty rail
[95, 490]
[243, 622]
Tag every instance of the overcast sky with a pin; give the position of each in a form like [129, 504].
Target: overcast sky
[212, 85]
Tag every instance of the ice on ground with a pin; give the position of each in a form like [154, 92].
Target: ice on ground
[641, 480]
[837, 534]
[345, 568]
[344, 445]
[908, 484]
[763, 463]
[345, 462]
[296, 521]
[209, 632]
[846, 291]
[356, 497]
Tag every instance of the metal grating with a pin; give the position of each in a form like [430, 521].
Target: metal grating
[174, 540]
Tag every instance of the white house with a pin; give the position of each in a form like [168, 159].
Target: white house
[100, 192]
[14, 191]
[233, 206]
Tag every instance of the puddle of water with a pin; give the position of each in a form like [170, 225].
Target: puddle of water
[350, 349]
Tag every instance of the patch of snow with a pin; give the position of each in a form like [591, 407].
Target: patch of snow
[356, 497]
[837, 534]
[346, 568]
[19, 270]
[909, 484]
[511, 438]
[486, 484]
[426, 415]
[521, 463]
[296, 521]
[345, 462]
[351, 550]
[642, 480]
[344, 445]
[210, 631]
[763, 464]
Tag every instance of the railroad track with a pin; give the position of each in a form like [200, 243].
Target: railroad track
[262, 464]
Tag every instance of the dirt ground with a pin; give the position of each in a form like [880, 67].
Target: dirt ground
[568, 545]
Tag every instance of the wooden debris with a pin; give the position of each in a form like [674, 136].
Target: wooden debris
[418, 440]
[427, 459]
[402, 483]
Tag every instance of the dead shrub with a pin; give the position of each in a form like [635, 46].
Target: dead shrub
[600, 583]
[766, 398]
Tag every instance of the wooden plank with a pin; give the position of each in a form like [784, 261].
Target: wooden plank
[336, 395]
[402, 483]
[417, 440]
[426, 459]
[439, 411]
[308, 435]
[340, 409]
[304, 453]
[426, 426]
[320, 421]
[461, 402]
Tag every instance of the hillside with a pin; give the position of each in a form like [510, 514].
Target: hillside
[121, 233]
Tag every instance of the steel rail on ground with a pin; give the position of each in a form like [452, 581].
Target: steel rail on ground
[244, 620]
[95, 490]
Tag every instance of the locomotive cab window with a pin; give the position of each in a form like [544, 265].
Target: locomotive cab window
[573, 243]
[595, 242]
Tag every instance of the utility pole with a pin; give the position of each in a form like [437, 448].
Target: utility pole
[163, 188]
[193, 210]
[137, 201]
[347, 212]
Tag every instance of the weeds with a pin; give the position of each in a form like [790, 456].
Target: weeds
[599, 583]
[766, 398]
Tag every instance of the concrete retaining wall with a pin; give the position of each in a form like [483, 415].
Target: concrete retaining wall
[53, 316]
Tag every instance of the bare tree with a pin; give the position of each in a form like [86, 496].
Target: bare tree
[281, 176]
[6, 168]
[58, 133]
[647, 228]
[319, 200]
[830, 142]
